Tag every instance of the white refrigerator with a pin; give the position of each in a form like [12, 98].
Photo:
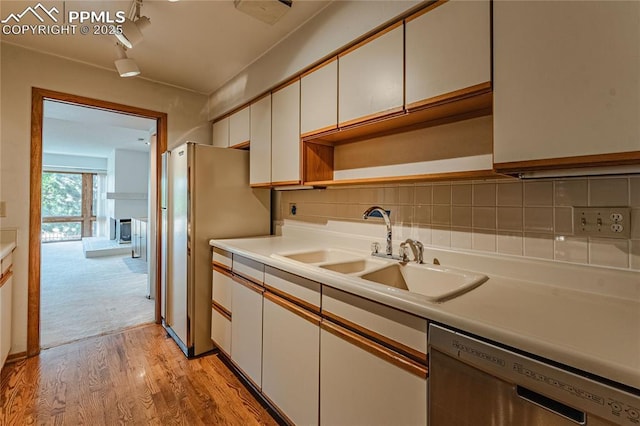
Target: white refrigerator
[207, 196]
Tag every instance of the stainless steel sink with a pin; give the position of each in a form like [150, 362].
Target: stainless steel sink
[435, 282]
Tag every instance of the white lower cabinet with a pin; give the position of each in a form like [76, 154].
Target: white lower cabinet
[363, 383]
[221, 288]
[291, 359]
[5, 317]
[246, 329]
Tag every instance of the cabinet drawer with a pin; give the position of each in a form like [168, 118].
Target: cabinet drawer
[221, 258]
[249, 269]
[399, 330]
[299, 290]
[221, 331]
[221, 289]
[6, 263]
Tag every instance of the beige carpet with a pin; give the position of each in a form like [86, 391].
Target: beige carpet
[82, 297]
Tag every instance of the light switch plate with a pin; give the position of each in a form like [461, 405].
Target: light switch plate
[3, 209]
[606, 222]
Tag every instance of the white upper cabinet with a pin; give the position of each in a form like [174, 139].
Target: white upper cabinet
[566, 82]
[260, 152]
[448, 49]
[221, 133]
[285, 135]
[239, 127]
[319, 99]
[371, 77]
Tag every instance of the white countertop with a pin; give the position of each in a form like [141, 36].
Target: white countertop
[581, 316]
[8, 239]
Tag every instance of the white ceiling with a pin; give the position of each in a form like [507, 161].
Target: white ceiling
[77, 130]
[194, 44]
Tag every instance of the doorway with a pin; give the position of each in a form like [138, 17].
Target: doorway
[157, 147]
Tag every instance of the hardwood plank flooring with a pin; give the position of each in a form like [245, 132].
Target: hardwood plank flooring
[134, 377]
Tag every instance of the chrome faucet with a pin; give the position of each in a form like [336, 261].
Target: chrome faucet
[416, 247]
[387, 222]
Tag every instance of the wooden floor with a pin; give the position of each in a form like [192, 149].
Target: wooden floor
[134, 377]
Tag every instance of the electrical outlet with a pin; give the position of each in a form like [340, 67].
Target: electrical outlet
[3, 209]
[606, 222]
[293, 209]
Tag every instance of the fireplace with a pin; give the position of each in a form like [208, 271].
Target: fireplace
[121, 230]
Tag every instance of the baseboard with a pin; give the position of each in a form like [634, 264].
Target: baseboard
[18, 356]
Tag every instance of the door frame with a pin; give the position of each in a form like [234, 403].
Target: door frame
[38, 96]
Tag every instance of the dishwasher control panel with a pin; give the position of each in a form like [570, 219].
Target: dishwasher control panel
[578, 392]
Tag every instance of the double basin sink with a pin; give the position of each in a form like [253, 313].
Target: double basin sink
[435, 282]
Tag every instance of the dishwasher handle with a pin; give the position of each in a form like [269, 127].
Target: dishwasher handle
[552, 405]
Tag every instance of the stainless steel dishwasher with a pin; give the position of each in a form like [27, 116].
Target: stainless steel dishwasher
[472, 382]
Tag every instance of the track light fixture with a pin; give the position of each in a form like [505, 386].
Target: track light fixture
[132, 28]
[126, 67]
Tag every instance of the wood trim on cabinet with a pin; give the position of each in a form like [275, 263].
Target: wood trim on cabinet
[425, 10]
[222, 117]
[285, 84]
[390, 113]
[613, 159]
[241, 145]
[376, 349]
[38, 96]
[286, 183]
[371, 38]
[221, 310]
[222, 351]
[317, 67]
[293, 299]
[261, 185]
[247, 283]
[222, 269]
[475, 174]
[320, 132]
[285, 419]
[293, 308]
[456, 95]
[379, 338]
[6, 277]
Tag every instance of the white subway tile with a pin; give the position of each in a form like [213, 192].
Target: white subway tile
[510, 194]
[510, 243]
[510, 218]
[461, 216]
[538, 245]
[609, 252]
[538, 193]
[484, 240]
[570, 249]
[484, 217]
[484, 194]
[441, 237]
[571, 192]
[538, 219]
[461, 195]
[461, 238]
[442, 194]
[608, 192]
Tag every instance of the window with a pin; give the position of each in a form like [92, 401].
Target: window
[67, 206]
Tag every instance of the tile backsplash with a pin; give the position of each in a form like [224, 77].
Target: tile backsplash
[523, 218]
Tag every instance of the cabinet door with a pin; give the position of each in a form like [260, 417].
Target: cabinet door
[285, 135]
[364, 383]
[221, 133]
[239, 127]
[291, 359]
[5, 317]
[222, 294]
[246, 329]
[260, 151]
[371, 78]
[565, 81]
[319, 99]
[448, 49]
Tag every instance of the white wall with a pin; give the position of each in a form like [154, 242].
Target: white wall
[127, 174]
[333, 28]
[73, 163]
[23, 69]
